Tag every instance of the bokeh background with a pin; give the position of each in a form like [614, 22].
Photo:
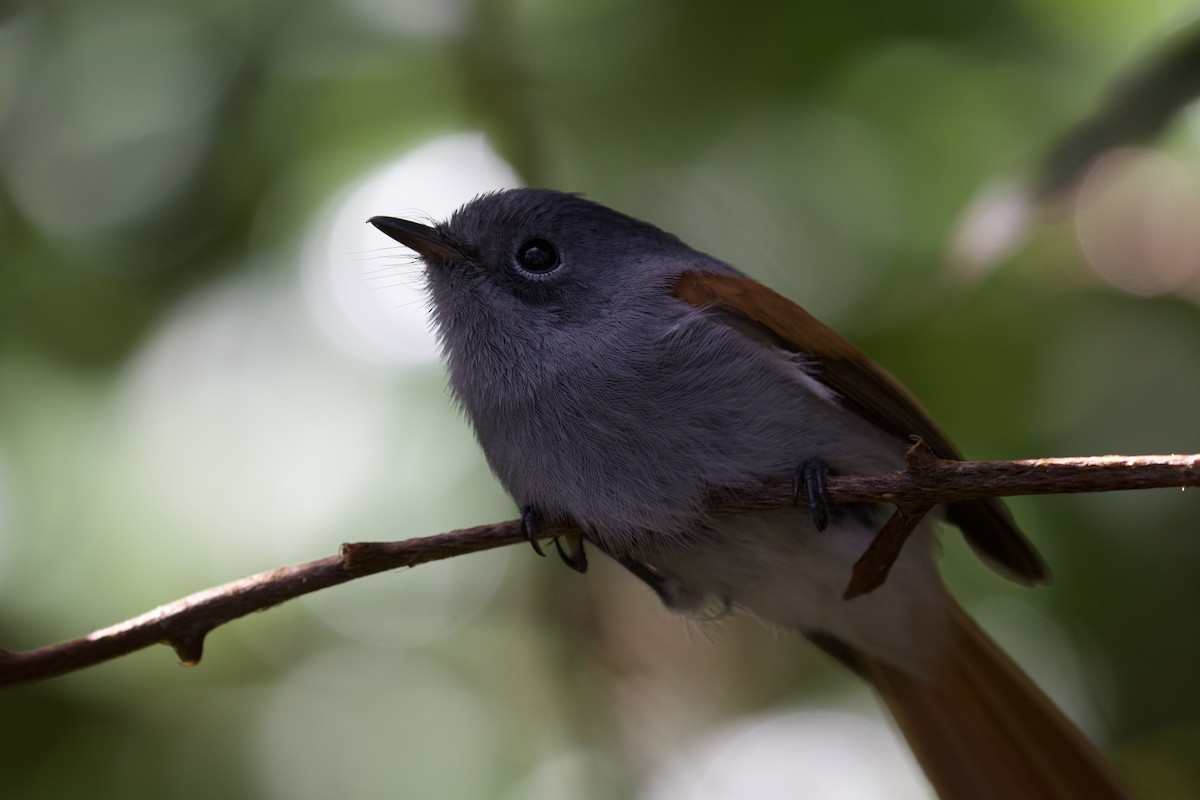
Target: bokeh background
[209, 366]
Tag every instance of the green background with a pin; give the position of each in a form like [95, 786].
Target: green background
[174, 413]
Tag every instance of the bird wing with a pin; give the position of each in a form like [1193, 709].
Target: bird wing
[866, 389]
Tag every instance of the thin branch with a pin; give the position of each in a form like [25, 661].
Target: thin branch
[927, 482]
[872, 568]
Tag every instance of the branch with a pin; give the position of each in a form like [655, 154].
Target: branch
[927, 482]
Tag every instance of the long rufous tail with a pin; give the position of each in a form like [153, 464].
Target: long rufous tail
[984, 731]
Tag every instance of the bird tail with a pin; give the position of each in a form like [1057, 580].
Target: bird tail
[984, 731]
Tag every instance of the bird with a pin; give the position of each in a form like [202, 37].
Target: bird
[616, 377]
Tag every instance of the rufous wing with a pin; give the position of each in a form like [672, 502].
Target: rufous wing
[866, 389]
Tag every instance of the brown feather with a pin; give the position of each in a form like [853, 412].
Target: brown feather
[866, 389]
[981, 729]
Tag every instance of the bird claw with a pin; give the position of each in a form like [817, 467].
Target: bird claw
[528, 527]
[576, 559]
[812, 474]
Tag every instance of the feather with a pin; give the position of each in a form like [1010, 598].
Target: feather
[866, 389]
[981, 729]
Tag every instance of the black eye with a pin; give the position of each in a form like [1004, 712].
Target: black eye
[537, 255]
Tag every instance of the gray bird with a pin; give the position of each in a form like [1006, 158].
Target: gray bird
[614, 376]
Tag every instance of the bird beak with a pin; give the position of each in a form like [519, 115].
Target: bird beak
[422, 238]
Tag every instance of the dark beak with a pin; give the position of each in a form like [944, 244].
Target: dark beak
[422, 238]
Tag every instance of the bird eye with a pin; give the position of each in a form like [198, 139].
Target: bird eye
[537, 255]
